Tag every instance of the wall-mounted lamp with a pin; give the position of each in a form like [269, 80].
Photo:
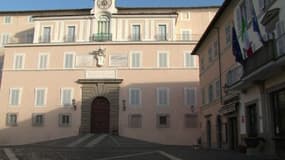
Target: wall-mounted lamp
[74, 104]
[124, 105]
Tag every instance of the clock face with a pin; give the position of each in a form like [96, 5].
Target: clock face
[104, 4]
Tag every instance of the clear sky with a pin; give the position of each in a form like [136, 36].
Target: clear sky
[73, 4]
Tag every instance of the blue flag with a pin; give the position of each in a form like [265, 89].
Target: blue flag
[236, 47]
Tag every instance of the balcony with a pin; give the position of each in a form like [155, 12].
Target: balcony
[233, 76]
[101, 37]
[261, 57]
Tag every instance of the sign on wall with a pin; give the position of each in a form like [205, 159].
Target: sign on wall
[119, 60]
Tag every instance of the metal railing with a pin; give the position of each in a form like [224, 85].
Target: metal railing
[101, 37]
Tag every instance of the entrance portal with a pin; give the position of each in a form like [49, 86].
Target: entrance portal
[100, 115]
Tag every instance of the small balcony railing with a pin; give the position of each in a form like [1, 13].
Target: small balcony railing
[261, 57]
[101, 37]
[233, 76]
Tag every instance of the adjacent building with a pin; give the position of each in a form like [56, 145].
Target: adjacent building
[109, 69]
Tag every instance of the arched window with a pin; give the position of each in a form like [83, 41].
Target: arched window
[104, 24]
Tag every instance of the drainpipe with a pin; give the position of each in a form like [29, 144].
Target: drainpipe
[220, 64]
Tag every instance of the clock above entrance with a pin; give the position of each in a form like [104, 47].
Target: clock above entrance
[104, 6]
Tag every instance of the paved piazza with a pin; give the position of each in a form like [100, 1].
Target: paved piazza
[106, 147]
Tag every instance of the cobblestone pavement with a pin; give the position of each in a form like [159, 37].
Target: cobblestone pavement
[105, 147]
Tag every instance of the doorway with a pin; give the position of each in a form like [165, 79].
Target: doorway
[100, 115]
[233, 133]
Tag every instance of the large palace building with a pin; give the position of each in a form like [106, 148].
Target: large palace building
[110, 69]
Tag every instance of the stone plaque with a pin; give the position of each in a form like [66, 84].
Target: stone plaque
[119, 60]
[101, 74]
[85, 61]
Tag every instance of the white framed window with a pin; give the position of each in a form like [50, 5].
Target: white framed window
[191, 121]
[135, 121]
[162, 32]
[5, 38]
[66, 96]
[70, 37]
[43, 61]
[218, 88]
[7, 19]
[136, 32]
[162, 96]
[69, 60]
[19, 60]
[38, 119]
[162, 59]
[186, 16]
[15, 96]
[189, 60]
[190, 97]
[186, 34]
[136, 59]
[135, 96]
[64, 120]
[12, 119]
[163, 121]
[40, 96]
[30, 19]
[46, 34]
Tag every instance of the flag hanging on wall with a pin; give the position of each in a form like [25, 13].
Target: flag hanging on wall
[236, 47]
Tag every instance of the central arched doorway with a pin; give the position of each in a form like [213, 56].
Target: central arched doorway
[100, 115]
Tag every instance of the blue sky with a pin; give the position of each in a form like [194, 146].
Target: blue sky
[73, 4]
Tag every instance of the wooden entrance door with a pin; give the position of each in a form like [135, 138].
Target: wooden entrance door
[100, 115]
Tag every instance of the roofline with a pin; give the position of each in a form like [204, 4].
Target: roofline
[181, 7]
[48, 10]
[211, 25]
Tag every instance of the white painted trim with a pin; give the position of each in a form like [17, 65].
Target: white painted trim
[4, 20]
[20, 97]
[36, 95]
[39, 61]
[74, 59]
[167, 98]
[185, 96]
[52, 36]
[61, 95]
[140, 97]
[23, 61]
[167, 61]
[131, 57]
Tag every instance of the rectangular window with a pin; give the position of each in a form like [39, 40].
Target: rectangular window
[215, 48]
[228, 32]
[38, 119]
[278, 103]
[162, 95]
[40, 96]
[210, 54]
[70, 34]
[191, 121]
[68, 60]
[163, 121]
[189, 60]
[5, 38]
[46, 35]
[186, 35]
[218, 88]
[135, 121]
[43, 61]
[190, 97]
[66, 96]
[210, 93]
[186, 15]
[135, 96]
[162, 60]
[162, 32]
[12, 119]
[136, 33]
[64, 120]
[135, 59]
[7, 19]
[30, 19]
[19, 61]
[15, 96]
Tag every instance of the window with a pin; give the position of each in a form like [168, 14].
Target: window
[162, 95]
[162, 32]
[136, 33]
[190, 96]
[70, 34]
[104, 25]
[43, 61]
[12, 119]
[278, 104]
[228, 32]
[135, 121]
[189, 60]
[162, 59]
[19, 61]
[203, 96]
[37, 119]
[30, 19]
[64, 120]
[66, 96]
[29, 37]
[163, 121]
[215, 47]
[7, 19]
[210, 54]
[46, 35]
[135, 96]
[210, 93]
[135, 59]
[186, 15]
[186, 35]
[191, 121]
[40, 96]
[5, 38]
[252, 128]
[218, 88]
[15, 96]
[68, 60]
